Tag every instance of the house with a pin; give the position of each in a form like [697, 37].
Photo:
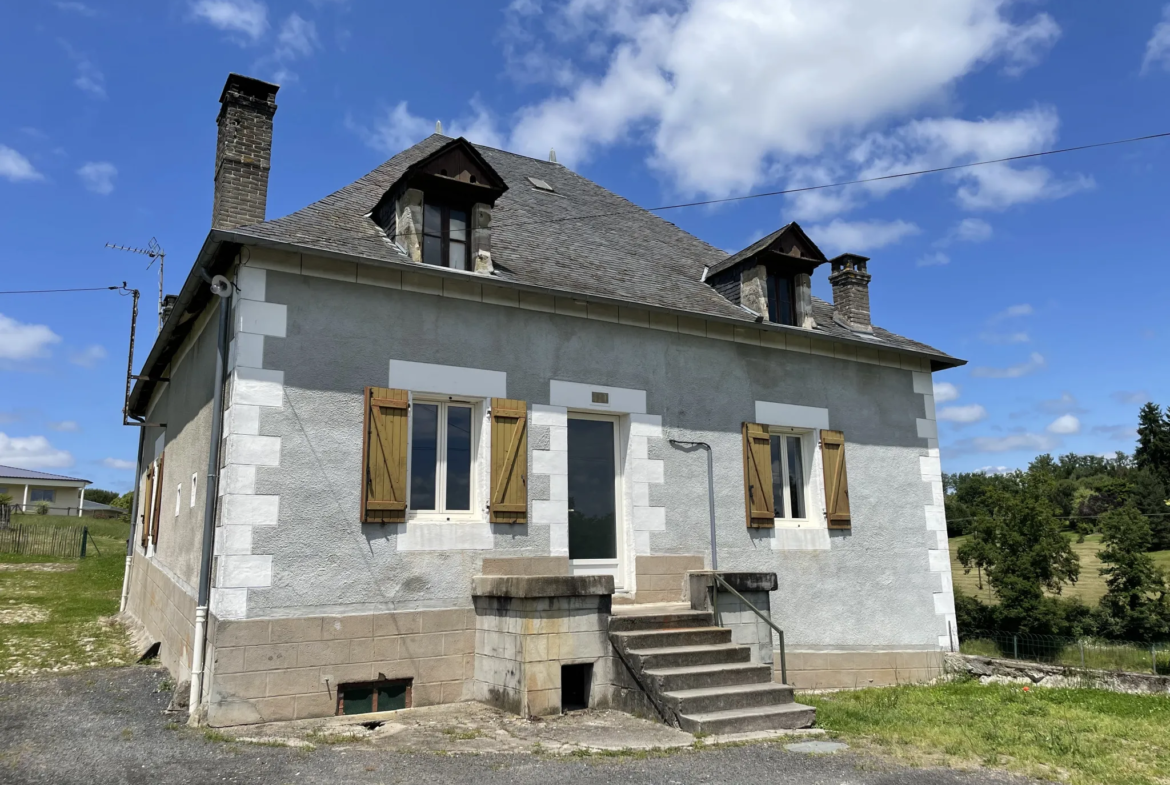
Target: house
[481, 430]
[31, 490]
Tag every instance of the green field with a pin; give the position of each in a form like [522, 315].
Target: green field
[54, 613]
[1079, 736]
[1090, 587]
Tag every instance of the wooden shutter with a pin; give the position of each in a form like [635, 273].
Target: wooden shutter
[145, 504]
[836, 479]
[757, 476]
[509, 497]
[384, 455]
[158, 494]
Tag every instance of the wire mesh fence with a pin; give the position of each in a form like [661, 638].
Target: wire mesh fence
[31, 539]
[1088, 653]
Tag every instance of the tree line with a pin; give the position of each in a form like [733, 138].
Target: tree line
[1022, 525]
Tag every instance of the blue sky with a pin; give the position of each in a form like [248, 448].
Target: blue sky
[1048, 276]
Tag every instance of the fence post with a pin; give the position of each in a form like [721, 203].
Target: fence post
[84, 539]
[1015, 647]
[1153, 659]
[1081, 643]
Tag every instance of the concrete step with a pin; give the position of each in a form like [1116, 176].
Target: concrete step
[689, 636]
[660, 621]
[693, 677]
[683, 656]
[784, 716]
[736, 696]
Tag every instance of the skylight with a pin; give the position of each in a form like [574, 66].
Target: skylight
[540, 185]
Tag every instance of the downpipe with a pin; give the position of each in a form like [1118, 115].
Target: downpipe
[212, 493]
[690, 446]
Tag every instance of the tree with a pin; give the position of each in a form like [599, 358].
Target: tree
[1136, 606]
[1153, 450]
[1021, 548]
[124, 502]
[100, 496]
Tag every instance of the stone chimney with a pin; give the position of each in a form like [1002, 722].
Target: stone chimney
[243, 151]
[851, 292]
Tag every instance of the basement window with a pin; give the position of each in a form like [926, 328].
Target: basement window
[575, 681]
[445, 236]
[369, 697]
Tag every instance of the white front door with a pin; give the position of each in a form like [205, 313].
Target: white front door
[596, 543]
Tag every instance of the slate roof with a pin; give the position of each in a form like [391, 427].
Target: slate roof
[13, 473]
[581, 239]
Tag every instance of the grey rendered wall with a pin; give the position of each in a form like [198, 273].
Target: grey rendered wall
[873, 588]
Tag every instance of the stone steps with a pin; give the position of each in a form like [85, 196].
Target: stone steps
[700, 680]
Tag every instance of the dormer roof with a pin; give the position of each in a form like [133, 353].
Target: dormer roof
[788, 244]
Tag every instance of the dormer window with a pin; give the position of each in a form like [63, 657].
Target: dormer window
[445, 236]
[781, 299]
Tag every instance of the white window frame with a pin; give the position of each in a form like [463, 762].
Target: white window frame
[194, 488]
[178, 499]
[617, 565]
[474, 514]
[808, 448]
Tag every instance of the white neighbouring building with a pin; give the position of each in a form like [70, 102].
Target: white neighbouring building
[30, 489]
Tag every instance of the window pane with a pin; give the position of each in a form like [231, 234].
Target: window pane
[780, 300]
[592, 499]
[432, 219]
[458, 226]
[391, 697]
[357, 700]
[432, 250]
[458, 458]
[42, 495]
[424, 455]
[457, 255]
[796, 477]
[777, 475]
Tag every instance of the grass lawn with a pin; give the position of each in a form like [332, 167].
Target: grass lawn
[1079, 736]
[106, 536]
[54, 619]
[1090, 587]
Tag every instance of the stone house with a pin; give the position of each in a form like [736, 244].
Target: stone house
[474, 427]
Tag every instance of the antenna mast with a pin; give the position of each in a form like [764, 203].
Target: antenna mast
[154, 251]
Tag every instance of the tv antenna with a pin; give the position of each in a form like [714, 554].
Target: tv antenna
[154, 251]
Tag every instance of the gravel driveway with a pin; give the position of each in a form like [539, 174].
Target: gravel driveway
[108, 726]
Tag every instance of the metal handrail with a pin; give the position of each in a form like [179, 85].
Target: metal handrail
[755, 610]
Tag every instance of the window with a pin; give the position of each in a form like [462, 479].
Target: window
[781, 299]
[789, 477]
[178, 498]
[42, 495]
[373, 696]
[441, 456]
[194, 487]
[445, 236]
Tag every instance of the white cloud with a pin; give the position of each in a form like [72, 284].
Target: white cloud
[76, 8]
[1158, 47]
[860, 236]
[117, 463]
[994, 470]
[1130, 397]
[87, 357]
[1035, 442]
[1120, 433]
[234, 16]
[972, 230]
[15, 168]
[1065, 424]
[963, 415]
[1034, 363]
[98, 177]
[1067, 403]
[32, 452]
[770, 81]
[399, 128]
[1001, 338]
[20, 341]
[1011, 312]
[944, 392]
[296, 38]
[65, 426]
[934, 259]
[89, 78]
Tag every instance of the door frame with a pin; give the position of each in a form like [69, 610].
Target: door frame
[616, 566]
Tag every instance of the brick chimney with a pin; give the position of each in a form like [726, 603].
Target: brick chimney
[851, 292]
[243, 151]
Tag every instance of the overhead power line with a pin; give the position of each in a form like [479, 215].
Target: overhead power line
[55, 291]
[806, 188]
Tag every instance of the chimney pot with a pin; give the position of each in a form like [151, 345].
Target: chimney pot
[243, 151]
[850, 280]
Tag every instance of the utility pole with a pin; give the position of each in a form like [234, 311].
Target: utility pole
[154, 251]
